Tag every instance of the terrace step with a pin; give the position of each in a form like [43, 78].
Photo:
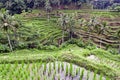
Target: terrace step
[96, 36]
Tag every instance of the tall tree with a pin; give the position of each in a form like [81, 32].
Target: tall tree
[62, 21]
[91, 23]
[71, 23]
[102, 29]
[8, 24]
[39, 3]
[15, 6]
[48, 8]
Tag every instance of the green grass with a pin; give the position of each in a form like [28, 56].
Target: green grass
[76, 57]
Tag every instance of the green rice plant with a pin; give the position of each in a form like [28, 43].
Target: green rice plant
[62, 66]
[107, 78]
[54, 65]
[28, 71]
[58, 66]
[71, 69]
[49, 70]
[82, 73]
[10, 78]
[101, 75]
[88, 75]
[45, 78]
[32, 77]
[59, 77]
[27, 67]
[9, 65]
[40, 64]
[50, 67]
[54, 75]
[66, 70]
[22, 63]
[33, 66]
[95, 74]
[77, 71]
[34, 71]
[38, 78]
[17, 74]
[44, 68]
[26, 76]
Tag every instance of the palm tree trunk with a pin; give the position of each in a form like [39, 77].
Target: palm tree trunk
[58, 5]
[75, 2]
[70, 34]
[9, 41]
[63, 36]
[119, 48]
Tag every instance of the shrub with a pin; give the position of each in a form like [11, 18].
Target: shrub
[113, 51]
[4, 48]
[91, 47]
[78, 42]
[49, 47]
[21, 45]
[63, 45]
[39, 46]
[116, 7]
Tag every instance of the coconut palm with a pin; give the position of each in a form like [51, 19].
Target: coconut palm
[90, 25]
[102, 29]
[62, 21]
[8, 24]
[71, 24]
[48, 8]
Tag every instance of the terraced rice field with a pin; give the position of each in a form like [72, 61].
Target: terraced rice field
[40, 30]
[46, 71]
[107, 38]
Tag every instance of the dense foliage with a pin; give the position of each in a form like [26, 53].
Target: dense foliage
[16, 6]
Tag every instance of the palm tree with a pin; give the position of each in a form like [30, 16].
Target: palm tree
[103, 28]
[48, 8]
[91, 25]
[62, 21]
[7, 24]
[71, 23]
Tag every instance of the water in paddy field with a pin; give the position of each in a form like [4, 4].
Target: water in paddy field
[66, 71]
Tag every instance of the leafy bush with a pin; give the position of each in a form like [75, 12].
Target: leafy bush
[113, 51]
[21, 45]
[63, 45]
[91, 47]
[1, 5]
[39, 46]
[50, 47]
[46, 47]
[99, 51]
[4, 48]
[116, 7]
[78, 42]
